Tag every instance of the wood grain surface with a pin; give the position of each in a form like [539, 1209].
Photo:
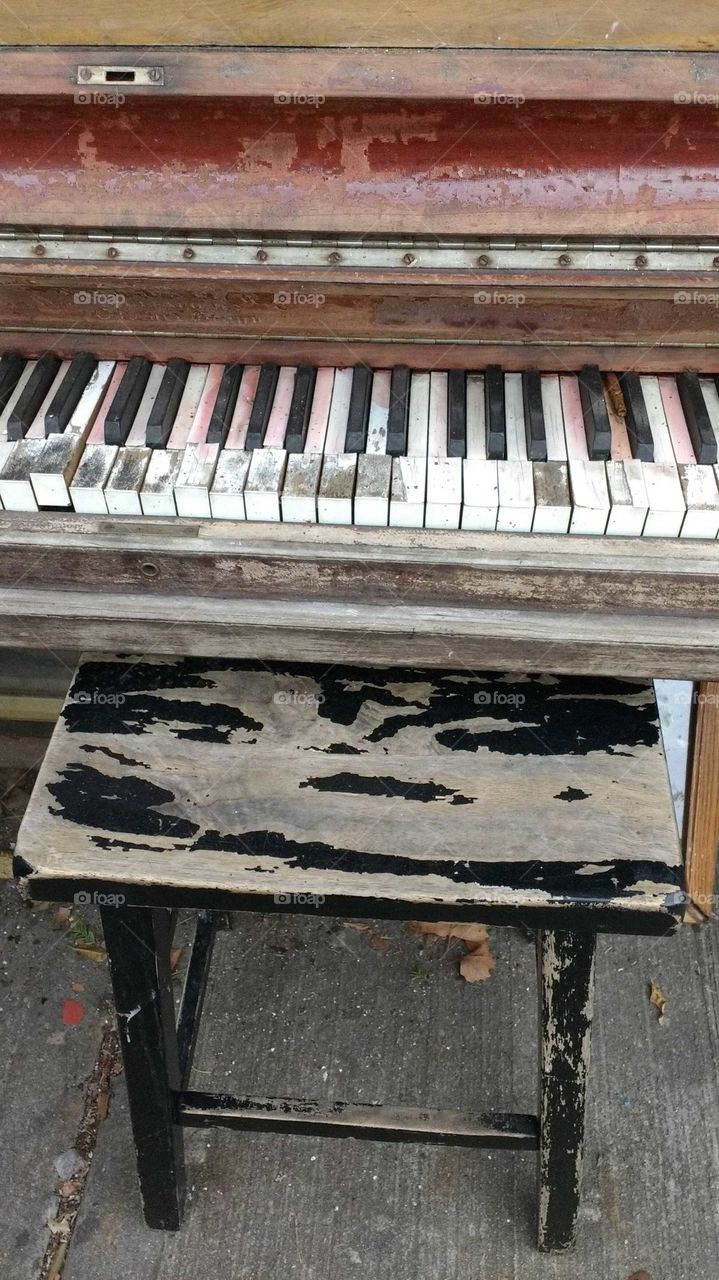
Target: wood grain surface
[399, 784]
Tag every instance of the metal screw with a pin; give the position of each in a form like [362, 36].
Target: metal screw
[483, 260]
[261, 255]
[640, 260]
[154, 74]
[565, 260]
[408, 259]
[112, 251]
[38, 250]
[334, 256]
[84, 73]
[188, 253]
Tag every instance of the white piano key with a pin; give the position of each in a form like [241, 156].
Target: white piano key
[476, 425]
[378, 413]
[337, 485]
[16, 491]
[339, 413]
[437, 431]
[663, 451]
[444, 490]
[194, 479]
[701, 496]
[157, 496]
[516, 495]
[122, 491]
[372, 489]
[242, 412]
[20, 387]
[87, 488]
[552, 498]
[188, 407]
[138, 431]
[56, 466]
[627, 497]
[6, 448]
[553, 418]
[89, 403]
[574, 433]
[300, 489]
[264, 484]
[227, 497]
[667, 508]
[480, 504]
[320, 411]
[514, 417]
[590, 496]
[418, 420]
[280, 411]
[36, 430]
[97, 432]
[676, 421]
[407, 494]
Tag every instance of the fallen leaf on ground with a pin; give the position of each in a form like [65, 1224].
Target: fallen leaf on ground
[479, 963]
[72, 1012]
[359, 928]
[66, 1188]
[175, 954]
[639, 1275]
[98, 954]
[62, 915]
[658, 999]
[379, 943]
[77, 986]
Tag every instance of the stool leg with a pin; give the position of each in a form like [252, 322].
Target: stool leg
[138, 948]
[566, 983]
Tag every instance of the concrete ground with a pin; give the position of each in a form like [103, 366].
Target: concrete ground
[314, 1006]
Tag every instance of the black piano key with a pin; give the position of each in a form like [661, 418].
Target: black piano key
[300, 408]
[32, 396]
[67, 396]
[534, 416]
[224, 404]
[121, 414]
[594, 411]
[262, 406]
[699, 424]
[164, 411]
[495, 420]
[398, 417]
[638, 429]
[456, 414]
[358, 416]
[11, 367]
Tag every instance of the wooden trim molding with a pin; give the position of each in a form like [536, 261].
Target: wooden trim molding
[701, 811]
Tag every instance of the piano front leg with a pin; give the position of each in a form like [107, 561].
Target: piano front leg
[701, 804]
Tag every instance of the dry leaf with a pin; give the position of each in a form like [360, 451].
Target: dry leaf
[639, 1275]
[175, 954]
[658, 999]
[478, 964]
[359, 928]
[103, 1102]
[77, 986]
[472, 934]
[91, 953]
[66, 1188]
[379, 943]
[62, 915]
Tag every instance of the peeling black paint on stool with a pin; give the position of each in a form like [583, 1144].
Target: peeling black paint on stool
[385, 785]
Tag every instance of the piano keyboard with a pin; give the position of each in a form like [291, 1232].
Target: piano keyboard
[548, 453]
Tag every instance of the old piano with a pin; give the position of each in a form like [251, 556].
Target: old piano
[365, 331]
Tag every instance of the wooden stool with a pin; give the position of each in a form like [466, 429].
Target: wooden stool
[226, 785]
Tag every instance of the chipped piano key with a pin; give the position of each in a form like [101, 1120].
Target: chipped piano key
[54, 470]
[122, 491]
[16, 491]
[407, 493]
[627, 497]
[372, 489]
[516, 496]
[590, 497]
[263, 486]
[301, 487]
[227, 499]
[552, 497]
[87, 487]
[701, 497]
[337, 486]
[480, 505]
[157, 496]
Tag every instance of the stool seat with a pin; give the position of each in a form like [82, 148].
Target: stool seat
[452, 792]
